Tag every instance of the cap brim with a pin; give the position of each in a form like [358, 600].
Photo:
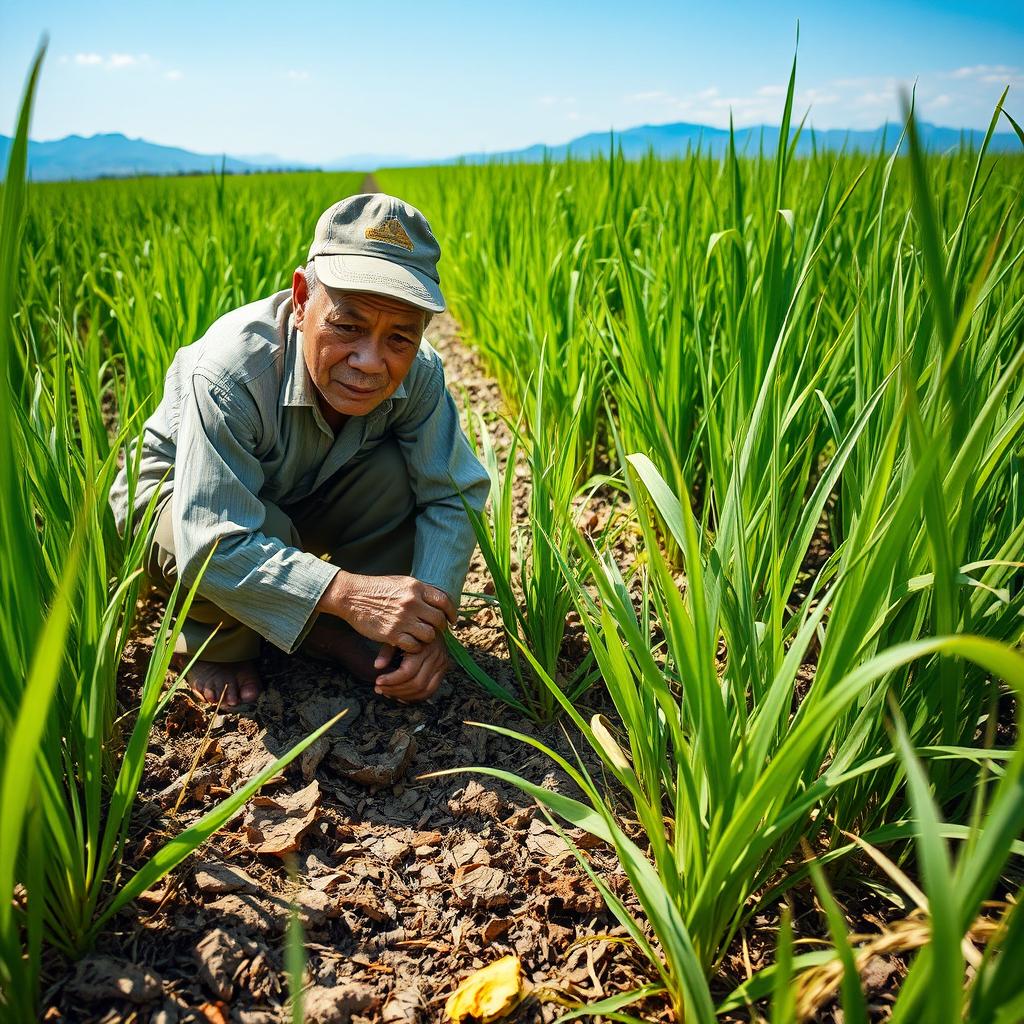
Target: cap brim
[381, 276]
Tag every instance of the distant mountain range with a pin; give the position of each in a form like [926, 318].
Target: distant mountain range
[114, 155]
[676, 139]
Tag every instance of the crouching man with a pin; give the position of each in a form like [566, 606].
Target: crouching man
[308, 446]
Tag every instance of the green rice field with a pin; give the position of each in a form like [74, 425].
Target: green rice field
[795, 681]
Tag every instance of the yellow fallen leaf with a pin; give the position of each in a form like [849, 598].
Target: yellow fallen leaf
[488, 994]
[616, 755]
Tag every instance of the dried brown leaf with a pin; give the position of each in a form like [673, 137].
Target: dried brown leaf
[218, 878]
[219, 955]
[480, 885]
[275, 825]
[100, 978]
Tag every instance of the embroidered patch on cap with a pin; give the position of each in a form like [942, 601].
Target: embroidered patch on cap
[392, 232]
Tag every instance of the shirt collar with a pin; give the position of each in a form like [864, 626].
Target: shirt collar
[299, 389]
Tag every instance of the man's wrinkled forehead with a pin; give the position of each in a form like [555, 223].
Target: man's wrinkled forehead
[365, 305]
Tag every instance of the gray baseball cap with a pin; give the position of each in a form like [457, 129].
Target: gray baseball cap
[378, 243]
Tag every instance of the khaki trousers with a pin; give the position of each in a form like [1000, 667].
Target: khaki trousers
[363, 518]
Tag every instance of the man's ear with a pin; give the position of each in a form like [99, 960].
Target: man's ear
[300, 296]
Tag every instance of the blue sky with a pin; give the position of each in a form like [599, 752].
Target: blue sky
[318, 81]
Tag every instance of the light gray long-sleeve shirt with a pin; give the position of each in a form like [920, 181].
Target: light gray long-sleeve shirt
[239, 423]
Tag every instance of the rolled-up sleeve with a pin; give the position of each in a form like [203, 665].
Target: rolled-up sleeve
[260, 580]
[442, 470]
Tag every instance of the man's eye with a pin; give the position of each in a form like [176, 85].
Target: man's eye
[346, 328]
[401, 338]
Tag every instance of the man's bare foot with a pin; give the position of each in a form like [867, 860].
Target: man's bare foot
[237, 680]
[333, 640]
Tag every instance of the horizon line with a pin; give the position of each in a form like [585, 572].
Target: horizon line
[611, 132]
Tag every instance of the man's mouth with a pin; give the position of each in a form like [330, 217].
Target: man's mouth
[357, 390]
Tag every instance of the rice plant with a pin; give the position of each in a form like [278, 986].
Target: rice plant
[69, 586]
[528, 562]
[949, 919]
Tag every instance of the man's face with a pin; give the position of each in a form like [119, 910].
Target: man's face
[358, 346]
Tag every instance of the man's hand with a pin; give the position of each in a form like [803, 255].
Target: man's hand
[417, 677]
[396, 610]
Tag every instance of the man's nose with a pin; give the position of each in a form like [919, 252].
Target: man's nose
[368, 358]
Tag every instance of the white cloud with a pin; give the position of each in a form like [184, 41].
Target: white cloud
[663, 98]
[113, 62]
[986, 72]
[989, 74]
[297, 76]
[174, 75]
[1010, 79]
[763, 105]
[958, 96]
[874, 98]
